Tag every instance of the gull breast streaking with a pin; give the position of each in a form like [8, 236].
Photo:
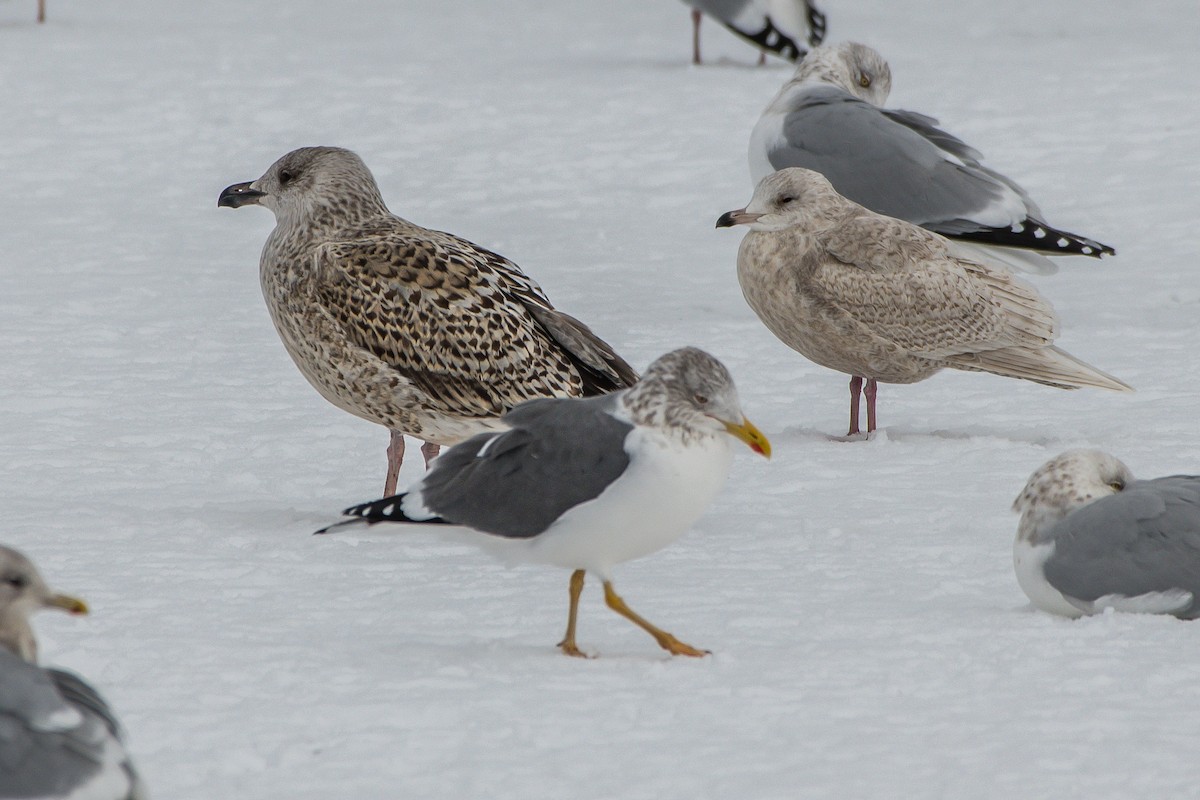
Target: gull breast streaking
[414, 329]
[586, 484]
[58, 738]
[884, 300]
[1091, 537]
[829, 118]
[773, 26]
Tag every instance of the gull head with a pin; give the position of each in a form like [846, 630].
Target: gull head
[312, 181]
[790, 199]
[22, 592]
[1064, 483]
[691, 390]
[850, 66]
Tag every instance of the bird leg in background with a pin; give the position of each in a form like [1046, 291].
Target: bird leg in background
[695, 37]
[869, 391]
[41, 10]
[430, 451]
[855, 390]
[665, 640]
[568, 643]
[395, 455]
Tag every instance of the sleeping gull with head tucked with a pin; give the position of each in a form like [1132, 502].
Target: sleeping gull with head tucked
[590, 483]
[1091, 537]
[58, 738]
[884, 300]
[417, 330]
[773, 26]
[829, 118]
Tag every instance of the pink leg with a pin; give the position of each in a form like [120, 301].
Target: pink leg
[695, 37]
[430, 451]
[762, 59]
[869, 391]
[395, 454]
[41, 10]
[855, 389]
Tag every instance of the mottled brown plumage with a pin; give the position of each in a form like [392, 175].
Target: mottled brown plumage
[414, 329]
[884, 300]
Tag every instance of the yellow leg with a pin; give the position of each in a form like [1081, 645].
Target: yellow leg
[665, 640]
[568, 643]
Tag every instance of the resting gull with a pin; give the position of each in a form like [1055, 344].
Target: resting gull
[590, 483]
[58, 738]
[884, 300]
[773, 26]
[414, 329]
[828, 118]
[1091, 537]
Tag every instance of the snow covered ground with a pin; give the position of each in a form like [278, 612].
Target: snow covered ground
[162, 457]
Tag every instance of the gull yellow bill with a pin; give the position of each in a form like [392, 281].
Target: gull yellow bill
[751, 435]
[72, 605]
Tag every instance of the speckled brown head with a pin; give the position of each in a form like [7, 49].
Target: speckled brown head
[791, 199]
[309, 183]
[690, 391]
[22, 592]
[1065, 483]
[850, 66]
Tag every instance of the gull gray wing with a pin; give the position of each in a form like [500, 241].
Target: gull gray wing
[1141, 542]
[557, 455]
[56, 734]
[894, 163]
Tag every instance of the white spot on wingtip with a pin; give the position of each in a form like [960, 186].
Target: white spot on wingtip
[1039, 233]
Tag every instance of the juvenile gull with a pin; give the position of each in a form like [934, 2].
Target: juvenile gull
[1091, 537]
[587, 484]
[414, 329]
[773, 26]
[884, 300]
[829, 118]
[58, 738]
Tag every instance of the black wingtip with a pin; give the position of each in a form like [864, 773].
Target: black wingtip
[386, 509]
[1037, 236]
[772, 40]
[816, 24]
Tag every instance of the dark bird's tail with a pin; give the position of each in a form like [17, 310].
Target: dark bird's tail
[389, 509]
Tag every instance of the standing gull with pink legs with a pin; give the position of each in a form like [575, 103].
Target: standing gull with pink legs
[417, 330]
[885, 300]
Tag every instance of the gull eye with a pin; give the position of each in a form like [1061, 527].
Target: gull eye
[1117, 485]
[286, 176]
[16, 581]
[864, 81]
[700, 399]
[786, 199]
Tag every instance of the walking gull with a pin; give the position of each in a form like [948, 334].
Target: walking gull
[414, 329]
[884, 300]
[1091, 537]
[773, 26]
[58, 738]
[828, 118]
[587, 484]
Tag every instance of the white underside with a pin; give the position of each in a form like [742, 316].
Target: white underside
[665, 489]
[112, 781]
[1029, 560]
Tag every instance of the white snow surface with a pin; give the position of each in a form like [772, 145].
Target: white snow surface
[162, 457]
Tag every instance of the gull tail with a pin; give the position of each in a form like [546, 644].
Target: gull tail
[1049, 365]
[389, 509]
